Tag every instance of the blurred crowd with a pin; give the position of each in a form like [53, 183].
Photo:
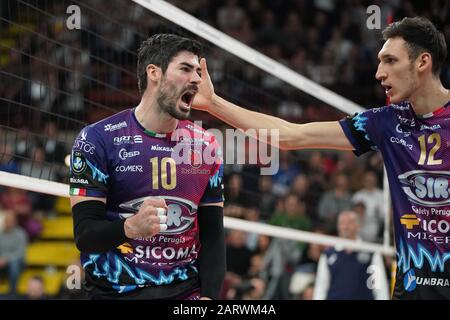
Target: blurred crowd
[56, 80]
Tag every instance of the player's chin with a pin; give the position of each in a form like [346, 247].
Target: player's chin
[397, 97]
[183, 111]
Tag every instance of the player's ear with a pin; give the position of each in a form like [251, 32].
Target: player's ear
[154, 73]
[424, 61]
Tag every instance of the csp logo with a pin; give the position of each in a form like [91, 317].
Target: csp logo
[426, 188]
[409, 281]
[180, 212]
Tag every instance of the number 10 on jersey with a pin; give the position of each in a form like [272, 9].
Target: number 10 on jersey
[164, 172]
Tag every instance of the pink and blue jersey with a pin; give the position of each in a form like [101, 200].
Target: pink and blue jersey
[119, 160]
[416, 153]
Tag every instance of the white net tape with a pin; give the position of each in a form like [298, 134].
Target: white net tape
[62, 190]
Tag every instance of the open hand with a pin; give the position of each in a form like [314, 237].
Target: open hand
[203, 99]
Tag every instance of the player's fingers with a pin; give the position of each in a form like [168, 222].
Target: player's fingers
[152, 211]
[162, 219]
[159, 202]
[161, 211]
[148, 210]
[154, 202]
[204, 67]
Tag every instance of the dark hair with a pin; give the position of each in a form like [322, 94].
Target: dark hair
[159, 50]
[420, 36]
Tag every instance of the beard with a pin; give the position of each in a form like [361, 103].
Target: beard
[167, 99]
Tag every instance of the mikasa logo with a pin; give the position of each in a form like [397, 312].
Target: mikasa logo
[432, 127]
[159, 148]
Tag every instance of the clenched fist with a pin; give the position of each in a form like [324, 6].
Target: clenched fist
[149, 220]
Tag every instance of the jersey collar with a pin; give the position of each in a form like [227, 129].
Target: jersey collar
[435, 112]
[149, 132]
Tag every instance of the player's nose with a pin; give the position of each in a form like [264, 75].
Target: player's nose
[196, 78]
[380, 74]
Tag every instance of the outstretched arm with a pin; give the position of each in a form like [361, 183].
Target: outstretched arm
[327, 135]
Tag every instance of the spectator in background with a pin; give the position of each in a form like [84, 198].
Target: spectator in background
[293, 215]
[54, 149]
[305, 270]
[238, 255]
[238, 261]
[252, 214]
[334, 201]
[347, 274]
[19, 202]
[283, 254]
[13, 242]
[307, 193]
[24, 143]
[35, 289]
[7, 161]
[36, 167]
[234, 193]
[230, 16]
[267, 200]
[285, 175]
[372, 198]
[308, 293]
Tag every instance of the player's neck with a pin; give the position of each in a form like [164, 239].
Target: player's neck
[152, 118]
[430, 97]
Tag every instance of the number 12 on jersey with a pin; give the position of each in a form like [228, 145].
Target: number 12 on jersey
[435, 140]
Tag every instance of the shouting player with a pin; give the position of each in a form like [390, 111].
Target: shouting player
[413, 135]
[149, 226]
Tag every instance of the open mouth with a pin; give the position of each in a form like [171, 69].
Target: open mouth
[187, 98]
[387, 90]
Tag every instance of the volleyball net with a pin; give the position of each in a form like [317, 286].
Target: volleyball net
[55, 80]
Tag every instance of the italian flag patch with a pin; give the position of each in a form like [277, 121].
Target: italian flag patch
[77, 192]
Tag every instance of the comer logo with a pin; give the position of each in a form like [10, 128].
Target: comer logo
[426, 188]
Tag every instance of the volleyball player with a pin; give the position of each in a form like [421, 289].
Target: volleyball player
[413, 135]
[149, 226]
